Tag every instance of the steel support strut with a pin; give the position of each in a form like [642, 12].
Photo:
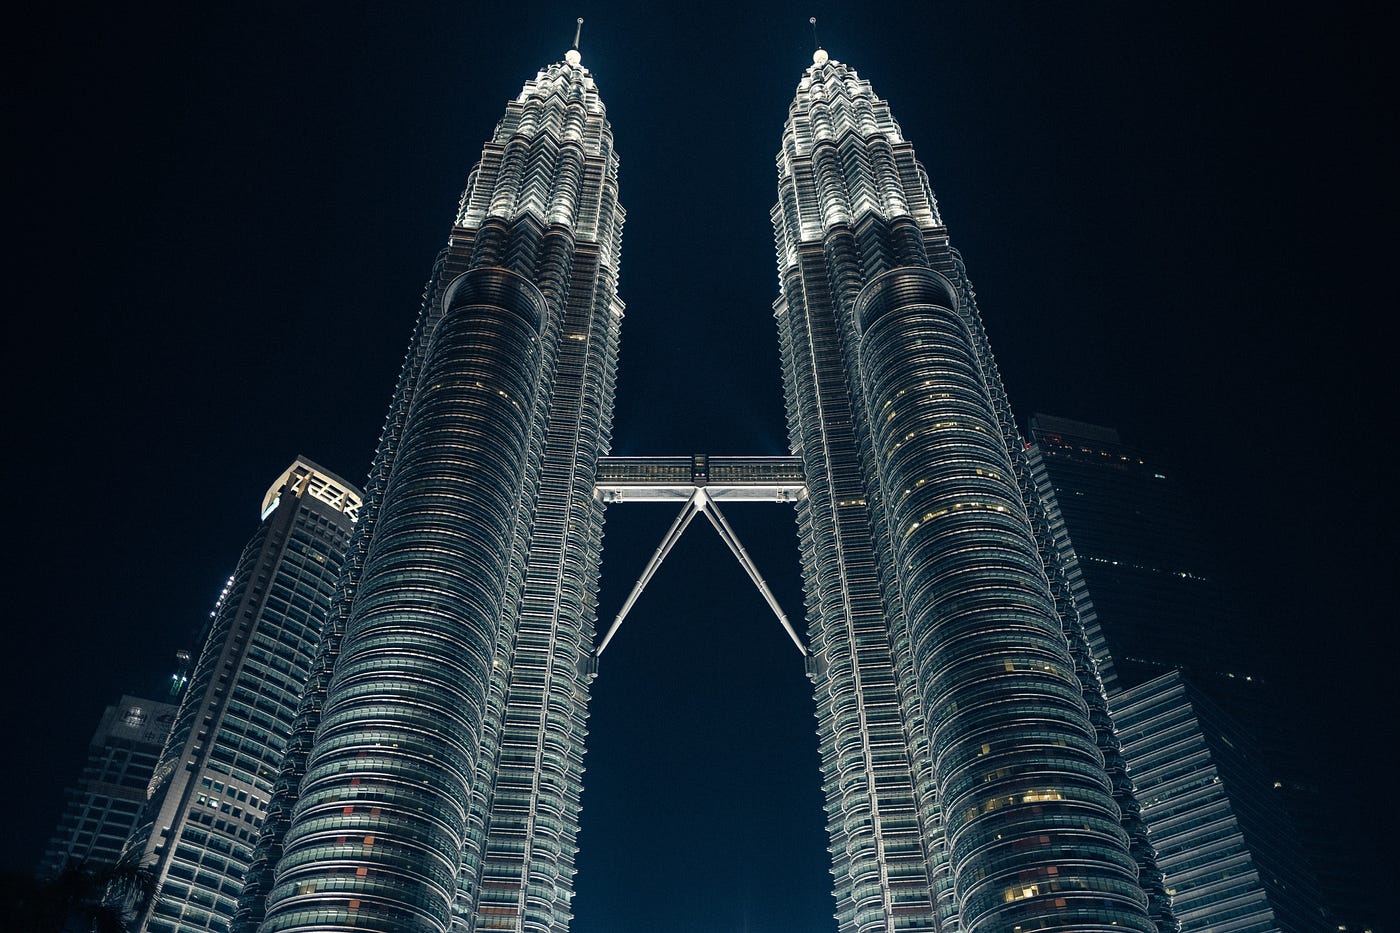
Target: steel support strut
[667, 542]
[712, 512]
[700, 501]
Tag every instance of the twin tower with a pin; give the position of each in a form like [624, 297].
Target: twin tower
[973, 782]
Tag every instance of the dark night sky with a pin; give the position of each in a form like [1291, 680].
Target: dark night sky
[1177, 217]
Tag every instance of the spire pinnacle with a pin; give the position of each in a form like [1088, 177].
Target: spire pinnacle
[572, 56]
[819, 56]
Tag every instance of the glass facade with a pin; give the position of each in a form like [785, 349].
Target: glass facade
[1152, 583]
[964, 769]
[103, 808]
[210, 790]
[1231, 863]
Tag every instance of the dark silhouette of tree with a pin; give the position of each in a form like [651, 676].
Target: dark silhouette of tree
[82, 898]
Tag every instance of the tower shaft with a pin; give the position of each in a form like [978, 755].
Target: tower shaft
[965, 785]
[436, 782]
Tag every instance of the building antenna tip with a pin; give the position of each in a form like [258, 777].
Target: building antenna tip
[578, 31]
[815, 43]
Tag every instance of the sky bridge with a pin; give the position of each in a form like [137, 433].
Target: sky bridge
[700, 483]
[675, 479]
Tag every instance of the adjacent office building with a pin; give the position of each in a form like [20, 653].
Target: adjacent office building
[209, 792]
[1202, 735]
[1232, 860]
[973, 779]
[102, 809]
[1143, 561]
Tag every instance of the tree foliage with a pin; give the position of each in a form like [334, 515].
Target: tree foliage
[82, 898]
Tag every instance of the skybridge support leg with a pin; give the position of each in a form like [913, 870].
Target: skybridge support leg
[677, 529]
[726, 533]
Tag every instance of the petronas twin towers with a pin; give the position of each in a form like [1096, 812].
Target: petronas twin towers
[971, 774]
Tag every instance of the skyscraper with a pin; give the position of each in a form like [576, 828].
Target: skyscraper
[972, 776]
[442, 784]
[210, 789]
[103, 806]
[962, 726]
[1144, 563]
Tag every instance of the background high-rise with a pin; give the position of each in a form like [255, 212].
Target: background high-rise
[210, 790]
[104, 805]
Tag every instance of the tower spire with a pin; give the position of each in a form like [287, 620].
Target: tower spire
[572, 56]
[819, 55]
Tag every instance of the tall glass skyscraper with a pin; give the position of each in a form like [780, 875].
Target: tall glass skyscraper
[962, 725]
[435, 783]
[972, 775]
[1230, 857]
[1144, 562]
[210, 789]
